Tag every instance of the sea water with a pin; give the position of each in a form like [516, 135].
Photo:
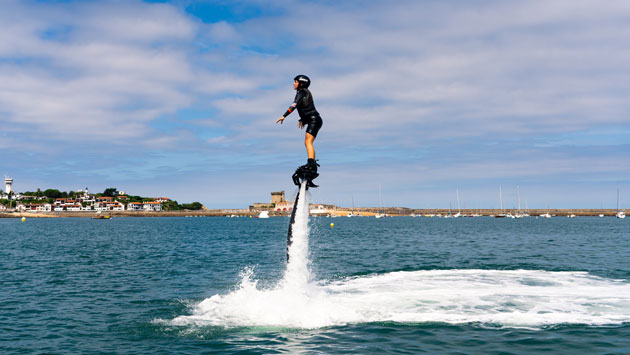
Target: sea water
[366, 285]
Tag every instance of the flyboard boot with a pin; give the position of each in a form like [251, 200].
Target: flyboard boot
[307, 172]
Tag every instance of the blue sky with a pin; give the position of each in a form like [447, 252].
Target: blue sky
[179, 98]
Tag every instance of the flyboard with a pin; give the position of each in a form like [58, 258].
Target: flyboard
[302, 175]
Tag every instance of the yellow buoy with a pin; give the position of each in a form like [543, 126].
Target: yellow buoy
[332, 225]
[23, 219]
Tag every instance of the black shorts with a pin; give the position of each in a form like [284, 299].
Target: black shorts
[313, 124]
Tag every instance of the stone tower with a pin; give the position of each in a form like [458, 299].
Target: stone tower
[277, 197]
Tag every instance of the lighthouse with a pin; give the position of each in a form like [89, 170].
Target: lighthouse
[8, 185]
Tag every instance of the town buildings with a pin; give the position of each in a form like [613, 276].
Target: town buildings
[78, 205]
[82, 200]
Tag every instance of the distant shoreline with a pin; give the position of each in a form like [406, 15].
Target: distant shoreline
[90, 214]
[364, 211]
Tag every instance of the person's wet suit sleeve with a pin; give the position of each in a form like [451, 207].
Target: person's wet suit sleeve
[298, 98]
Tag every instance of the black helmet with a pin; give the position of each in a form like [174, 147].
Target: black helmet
[303, 81]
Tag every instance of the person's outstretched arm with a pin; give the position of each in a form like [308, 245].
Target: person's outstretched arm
[298, 97]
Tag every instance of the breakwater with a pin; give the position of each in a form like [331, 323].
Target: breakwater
[403, 211]
[364, 211]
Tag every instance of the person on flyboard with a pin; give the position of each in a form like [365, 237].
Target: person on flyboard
[310, 118]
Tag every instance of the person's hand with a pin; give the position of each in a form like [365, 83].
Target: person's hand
[300, 124]
[281, 120]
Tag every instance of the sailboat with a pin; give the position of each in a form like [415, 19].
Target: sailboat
[380, 209]
[620, 213]
[519, 214]
[546, 215]
[526, 214]
[500, 215]
[449, 215]
[351, 214]
[459, 209]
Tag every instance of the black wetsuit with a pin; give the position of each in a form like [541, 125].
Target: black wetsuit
[306, 108]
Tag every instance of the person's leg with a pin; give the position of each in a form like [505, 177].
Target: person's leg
[311, 165]
[309, 170]
[308, 142]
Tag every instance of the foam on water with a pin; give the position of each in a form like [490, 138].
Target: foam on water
[517, 298]
[520, 298]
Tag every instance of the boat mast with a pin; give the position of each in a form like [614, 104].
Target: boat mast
[353, 204]
[518, 192]
[617, 198]
[501, 198]
[380, 207]
[547, 205]
[459, 209]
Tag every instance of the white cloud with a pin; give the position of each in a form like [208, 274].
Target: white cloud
[223, 32]
[494, 61]
[388, 78]
[116, 68]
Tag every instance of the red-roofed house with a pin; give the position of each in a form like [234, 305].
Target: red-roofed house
[109, 206]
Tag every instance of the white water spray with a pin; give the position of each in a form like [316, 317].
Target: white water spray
[294, 302]
[298, 275]
[517, 298]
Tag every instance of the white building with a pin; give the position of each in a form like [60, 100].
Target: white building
[8, 185]
[117, 206]
[75, 208]
[84, 196]
[109, 206]
[319, 210]
[153, 206]
[36, 207]
[134, 206]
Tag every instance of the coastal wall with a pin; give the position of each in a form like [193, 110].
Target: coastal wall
[401, 211]
[364, 211]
